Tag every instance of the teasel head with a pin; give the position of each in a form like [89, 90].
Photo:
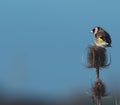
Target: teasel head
[97, 57]
[99, 89]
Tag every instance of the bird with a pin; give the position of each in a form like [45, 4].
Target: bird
[101, 37]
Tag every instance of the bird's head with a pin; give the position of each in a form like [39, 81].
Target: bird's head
[96, 29]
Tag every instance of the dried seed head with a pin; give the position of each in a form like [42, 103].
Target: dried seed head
[97, 57]
[99, 89]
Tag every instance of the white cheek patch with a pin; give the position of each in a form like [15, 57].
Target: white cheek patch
[96, 30]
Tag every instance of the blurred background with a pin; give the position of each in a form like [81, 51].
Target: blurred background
[43, 44]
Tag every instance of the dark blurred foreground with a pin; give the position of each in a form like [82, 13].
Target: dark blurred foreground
[76, 99]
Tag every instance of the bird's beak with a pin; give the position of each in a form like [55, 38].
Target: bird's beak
[91, 31]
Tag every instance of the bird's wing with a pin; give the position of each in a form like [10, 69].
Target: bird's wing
[104, 36]
[107, 38]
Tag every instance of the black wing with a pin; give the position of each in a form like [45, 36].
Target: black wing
[107, 38]
[104, 36]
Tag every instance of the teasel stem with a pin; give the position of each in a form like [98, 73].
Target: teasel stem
[97, 73]
[99, 100]
[97, 58]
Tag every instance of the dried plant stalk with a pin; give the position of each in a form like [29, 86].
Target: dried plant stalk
[97, 58]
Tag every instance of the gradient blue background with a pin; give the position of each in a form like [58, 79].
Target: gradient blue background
[42, 43]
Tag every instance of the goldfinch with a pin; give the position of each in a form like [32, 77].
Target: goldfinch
[101, 37]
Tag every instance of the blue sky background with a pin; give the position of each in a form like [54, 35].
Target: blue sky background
[42, 43]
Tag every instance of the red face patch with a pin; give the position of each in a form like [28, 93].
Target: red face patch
[93, 30]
